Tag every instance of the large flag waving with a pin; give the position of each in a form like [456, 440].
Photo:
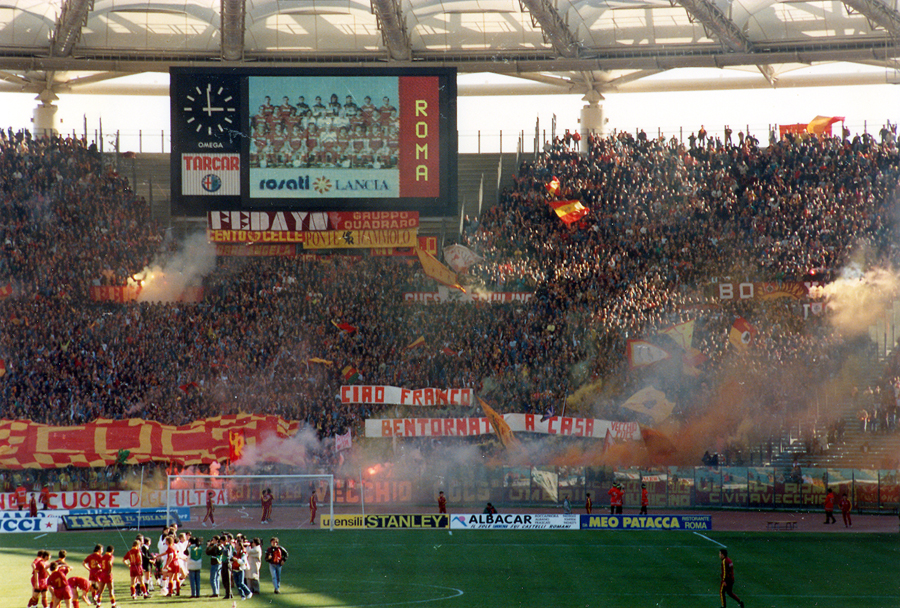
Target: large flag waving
[569, 211]
[682, 334]
[650, 402]
[438, 271]
[642, 354]
[417, 343]
[553, 186]
[460, 257]
[822, 124]
[742, 334]
[343, 442]
[504, 433]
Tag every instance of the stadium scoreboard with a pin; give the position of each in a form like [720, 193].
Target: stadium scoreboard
[273, 139]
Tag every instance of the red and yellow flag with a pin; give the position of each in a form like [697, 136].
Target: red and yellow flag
[569, 211]
[822, 124]
[29, 445]
[437, 271]
[5, 291]
[417, 343]
[501, 427]
[742, 334]
[553, 186]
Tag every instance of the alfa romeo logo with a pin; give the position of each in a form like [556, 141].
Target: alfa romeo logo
[211, 183]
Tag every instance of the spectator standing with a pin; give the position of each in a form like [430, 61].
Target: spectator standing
[227, 553]
[194, 564]
[276, 555]
[214, 551]
[238, 566]
[254, 559]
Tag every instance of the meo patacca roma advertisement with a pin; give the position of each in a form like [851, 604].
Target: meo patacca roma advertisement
[335, 140]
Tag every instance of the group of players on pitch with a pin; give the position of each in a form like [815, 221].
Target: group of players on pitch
[178, 557]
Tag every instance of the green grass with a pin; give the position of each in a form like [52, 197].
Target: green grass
[496, 569]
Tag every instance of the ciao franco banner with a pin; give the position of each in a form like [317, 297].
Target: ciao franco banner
[12, 525]
[386, 522]
[392, 395]
[646, 522]
[514, 521]
[527, 423]
[131, 518]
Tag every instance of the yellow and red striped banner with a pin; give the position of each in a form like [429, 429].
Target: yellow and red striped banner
[29, 445]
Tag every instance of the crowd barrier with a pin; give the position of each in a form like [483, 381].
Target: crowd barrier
[776, 488]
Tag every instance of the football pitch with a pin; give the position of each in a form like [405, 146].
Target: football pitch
[496, 569]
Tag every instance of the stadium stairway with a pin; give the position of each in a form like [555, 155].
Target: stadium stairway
[151, 178]
[859, 449]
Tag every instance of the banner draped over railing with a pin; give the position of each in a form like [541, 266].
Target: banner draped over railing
[28, 445]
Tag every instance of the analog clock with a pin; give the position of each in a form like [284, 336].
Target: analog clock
[210, 110]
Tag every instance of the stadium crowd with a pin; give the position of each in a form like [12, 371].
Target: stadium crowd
[665, 221]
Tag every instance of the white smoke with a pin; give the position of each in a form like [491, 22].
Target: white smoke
[857, 299]
[167, 277]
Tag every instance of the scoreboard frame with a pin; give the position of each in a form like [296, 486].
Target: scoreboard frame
[213, 144]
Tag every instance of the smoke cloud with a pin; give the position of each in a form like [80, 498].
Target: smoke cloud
[167, 278]
[857, 299]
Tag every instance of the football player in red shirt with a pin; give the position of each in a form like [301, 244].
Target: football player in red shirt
[82, 589]
[40, 571]
[727, 586]
[313, 504]
[106, 576]
[136, 570]
[59, 584]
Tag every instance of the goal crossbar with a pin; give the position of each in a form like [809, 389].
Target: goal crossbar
[223, 479]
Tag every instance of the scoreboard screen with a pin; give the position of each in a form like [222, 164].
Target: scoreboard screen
[256, 139]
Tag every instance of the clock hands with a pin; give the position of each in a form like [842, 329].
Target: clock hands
[209, 109]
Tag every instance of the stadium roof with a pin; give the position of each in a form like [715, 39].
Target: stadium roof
[574, 46]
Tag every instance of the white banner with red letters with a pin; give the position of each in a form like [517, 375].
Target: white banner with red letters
[393, 395]
[308, 221]
[529, 423]
[123, 499]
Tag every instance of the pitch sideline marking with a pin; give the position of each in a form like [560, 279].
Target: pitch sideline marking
[711, 540]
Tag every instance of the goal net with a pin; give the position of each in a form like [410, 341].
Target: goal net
[237, 502]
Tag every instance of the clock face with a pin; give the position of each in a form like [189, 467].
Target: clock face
[210, 110]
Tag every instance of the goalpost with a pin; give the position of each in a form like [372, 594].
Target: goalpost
[237, 499]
